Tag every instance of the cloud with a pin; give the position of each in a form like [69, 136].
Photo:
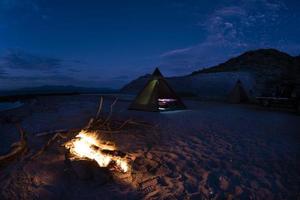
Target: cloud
[230, 11]
[72, 70]
[20, 11]
[248, 21]
[19, 68]
[205, 54]
[176, 51]
[17, 59]
[2, 73]
[230, 30]
[9, 5]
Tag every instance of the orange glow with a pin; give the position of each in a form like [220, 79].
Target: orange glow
[87, 145]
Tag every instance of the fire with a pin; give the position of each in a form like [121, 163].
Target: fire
[87, 145]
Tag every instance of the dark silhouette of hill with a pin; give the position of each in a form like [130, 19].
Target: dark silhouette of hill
[259, 61]
[267, 67]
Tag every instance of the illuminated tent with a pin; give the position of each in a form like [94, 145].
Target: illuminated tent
[238, 94]
[157, 95]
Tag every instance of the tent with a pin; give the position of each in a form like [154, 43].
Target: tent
[238, 94]
[157, 96]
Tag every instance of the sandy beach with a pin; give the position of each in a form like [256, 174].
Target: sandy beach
[209, 151]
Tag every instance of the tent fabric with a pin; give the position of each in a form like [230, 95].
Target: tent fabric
[157, 95]
[238, 94]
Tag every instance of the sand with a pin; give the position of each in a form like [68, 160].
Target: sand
[210, 151]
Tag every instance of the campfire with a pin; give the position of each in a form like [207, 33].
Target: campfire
[89, 155]
[87, 145]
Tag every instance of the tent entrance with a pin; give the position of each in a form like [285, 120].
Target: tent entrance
[167, 104]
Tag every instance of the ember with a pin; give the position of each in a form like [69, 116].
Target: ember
[87, 145]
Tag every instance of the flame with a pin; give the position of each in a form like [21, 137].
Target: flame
[87, 145]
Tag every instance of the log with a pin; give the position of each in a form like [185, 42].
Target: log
[114, 153]
[141, 124]
[16, 150]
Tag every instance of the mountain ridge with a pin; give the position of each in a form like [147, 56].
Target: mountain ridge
[261, 68]
[253, 60]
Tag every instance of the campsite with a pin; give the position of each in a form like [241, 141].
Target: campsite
[190, 149]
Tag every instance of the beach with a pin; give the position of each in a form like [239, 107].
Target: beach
[212, 150]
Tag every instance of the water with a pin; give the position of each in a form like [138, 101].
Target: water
[8, 106]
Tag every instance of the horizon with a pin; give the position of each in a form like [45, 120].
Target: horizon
[106, 45]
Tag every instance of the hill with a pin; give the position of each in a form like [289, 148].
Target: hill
[257, 60]
[260, 70]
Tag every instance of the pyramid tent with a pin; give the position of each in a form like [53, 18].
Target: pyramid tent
[157, 96]
[238, 94]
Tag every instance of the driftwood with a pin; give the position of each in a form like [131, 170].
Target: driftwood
[17, 149]
[107, 125]
[124, 123]
[111, 110]
[135, 123]
[96, 123]
[100, 108]
[51, 132]
[140, 124]
[48, 144]
[100, 124]
[91, 121]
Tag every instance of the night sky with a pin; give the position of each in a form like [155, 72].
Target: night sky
[108, 43]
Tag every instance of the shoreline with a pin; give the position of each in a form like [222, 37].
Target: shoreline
[6, 106]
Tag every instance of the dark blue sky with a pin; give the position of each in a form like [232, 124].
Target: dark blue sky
[108, 43]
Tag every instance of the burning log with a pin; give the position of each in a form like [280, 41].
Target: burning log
[17, 149]
[86, 145]
[114, 153]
